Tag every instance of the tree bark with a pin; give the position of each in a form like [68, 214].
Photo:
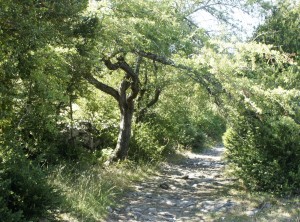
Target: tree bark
[141, 113]
[129, 83]
[122, 148]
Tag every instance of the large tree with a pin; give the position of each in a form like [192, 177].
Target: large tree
[132, 37]
[33, 80]
[127, 37]
[34, 71]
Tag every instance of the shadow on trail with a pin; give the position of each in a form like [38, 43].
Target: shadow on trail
[187, 191]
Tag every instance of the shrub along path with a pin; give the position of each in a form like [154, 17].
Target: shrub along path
[193, 189]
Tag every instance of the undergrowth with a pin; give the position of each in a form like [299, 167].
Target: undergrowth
[252, 206]
[90, 190]
[259, 206]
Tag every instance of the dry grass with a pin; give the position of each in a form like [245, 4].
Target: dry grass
[89, 191]
[259, 207]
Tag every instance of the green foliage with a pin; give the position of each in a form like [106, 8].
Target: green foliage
[140, 25]
[101, 111]
[281, 28]
[35, 72]
[6, 213]
[146, 143]
[265, 153]
[263, 142]
[187, 116]
[49, 48]
[25, 193]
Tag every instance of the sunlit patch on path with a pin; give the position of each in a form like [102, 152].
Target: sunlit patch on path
[188, 191]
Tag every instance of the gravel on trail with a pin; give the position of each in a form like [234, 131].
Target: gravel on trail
[187, 191]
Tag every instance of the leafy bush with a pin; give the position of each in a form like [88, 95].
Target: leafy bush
[25, 193]
[191, 136]
[265, 153]
[7, 214]
[146, 144]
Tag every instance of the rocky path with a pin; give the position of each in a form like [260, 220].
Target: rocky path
[189, 191]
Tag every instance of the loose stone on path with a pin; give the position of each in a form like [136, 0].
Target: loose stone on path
[188, 191]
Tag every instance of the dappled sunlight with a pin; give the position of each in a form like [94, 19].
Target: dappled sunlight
[96, 94]
[187, 191]
[196, 189]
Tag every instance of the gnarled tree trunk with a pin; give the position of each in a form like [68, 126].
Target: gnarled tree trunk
[122, 147]
[130, 83]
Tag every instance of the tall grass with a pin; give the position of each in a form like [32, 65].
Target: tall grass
[89, 190]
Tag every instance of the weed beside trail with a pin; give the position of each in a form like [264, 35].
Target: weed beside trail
[89, 191]
[262, 207]
[92, 193]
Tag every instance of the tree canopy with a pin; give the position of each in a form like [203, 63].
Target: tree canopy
[138, 79]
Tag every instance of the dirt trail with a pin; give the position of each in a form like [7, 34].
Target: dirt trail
[189, 191]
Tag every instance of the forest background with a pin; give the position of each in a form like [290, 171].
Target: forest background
[88, 85]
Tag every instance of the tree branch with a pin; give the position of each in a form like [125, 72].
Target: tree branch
[205, 80]
[122, 64]
[103, 87]
[133, 76]
[155, 99]
[157, 58]
[144, 110]
[138, 64]
[110, 65]
[130, 80]
[142, 90]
